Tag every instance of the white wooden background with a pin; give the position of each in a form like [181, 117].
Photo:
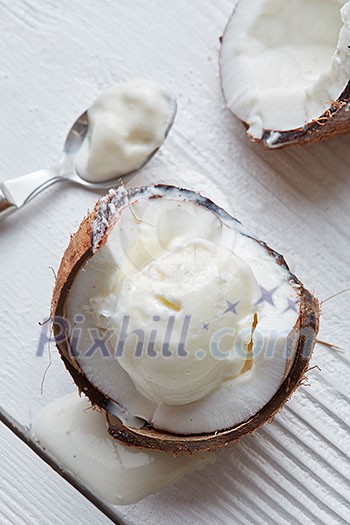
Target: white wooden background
[54, 58]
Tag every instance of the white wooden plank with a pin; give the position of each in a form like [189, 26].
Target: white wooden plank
[32, 493]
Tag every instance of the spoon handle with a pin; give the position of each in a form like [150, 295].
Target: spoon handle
[16, 192]
[6, 206]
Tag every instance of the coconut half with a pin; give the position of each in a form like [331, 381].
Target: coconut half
[285, 69]
[130, 259]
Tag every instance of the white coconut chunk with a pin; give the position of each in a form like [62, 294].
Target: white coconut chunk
[150, 254]
[85, 312]
[283, 62]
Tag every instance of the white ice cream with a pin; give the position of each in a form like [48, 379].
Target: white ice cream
[126, 125]
[182, 293]
[77, 436]
[283, 62]
[169, 256]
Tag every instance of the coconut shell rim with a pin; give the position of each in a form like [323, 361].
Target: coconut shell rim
[80, 250]
[311, 132]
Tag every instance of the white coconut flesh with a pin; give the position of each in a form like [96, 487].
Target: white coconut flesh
[283, 62]
[170, 259]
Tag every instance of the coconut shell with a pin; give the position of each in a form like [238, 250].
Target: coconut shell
[82, 246]
[335, 121]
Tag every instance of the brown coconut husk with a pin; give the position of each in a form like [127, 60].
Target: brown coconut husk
[303, 336]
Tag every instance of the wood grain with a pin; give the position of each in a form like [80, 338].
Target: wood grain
[55, 57]
[32, 493]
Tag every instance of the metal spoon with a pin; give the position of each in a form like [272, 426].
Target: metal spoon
[17, 192]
